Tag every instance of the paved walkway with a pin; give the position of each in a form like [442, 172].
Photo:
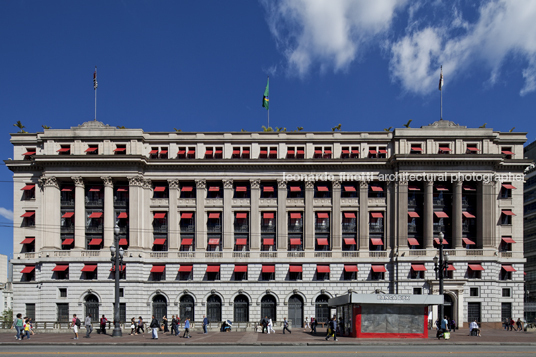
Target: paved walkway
[298, 337]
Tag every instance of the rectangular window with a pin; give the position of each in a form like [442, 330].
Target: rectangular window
[63, 292]
[473, 311]
[63, 312]
[30, 311]
[506, 311]
[28, 192]
[295, 276]
[506, 292]
[474, 292]
[30, 152]
[65, 150]
[416, 149]
[444, 149]
[507, 151]
[417, 291]
[120, 150]
[472, 149]
[121, 292]
[506, 190]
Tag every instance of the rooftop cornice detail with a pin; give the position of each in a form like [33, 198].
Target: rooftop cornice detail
[93, 124]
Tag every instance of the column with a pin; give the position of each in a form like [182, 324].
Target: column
[200, 216]
[402, 217]
[457, 216]
[389, 219]
[254, 215]
[50, 215]
[363, 217]
[173, 216]
[109, 214]
[79, 213]
[282, 226]
[228, 215]
[486, 215]
[428, 215]
[147, 235]
[309, 216]
[336, 219]
[135, 212]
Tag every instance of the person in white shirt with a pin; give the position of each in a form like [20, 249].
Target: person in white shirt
[270, 328]
[474, 326]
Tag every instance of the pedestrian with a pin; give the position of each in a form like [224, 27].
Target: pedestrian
[103, 321]
[75, 324]
[165, 324]
[177, 331]
[453, 325]
[133, 326]
[270, 326]
[306, 324]
[140, 325]
[173, 325]
[31, 326]
[332, 330]
[186, 328]
[264, 323]
[474, 330]
[154, 326]
[89, 328]
[25, 328]
[512, 323]
[506, 322]
[205, 324]
[313, 326]
[18, 324]
[285, 326]
[519, 324]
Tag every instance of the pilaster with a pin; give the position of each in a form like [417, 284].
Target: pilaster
[255, 217]
[457, 216]
[50, 215]
[282, 227]
[428, 215]
[135, 211]
[363, 217]
[309, 219]
[147, 217]
[200, 216]
[109, 214]
[402, 216]
[173, 216]
[486, 214]
[79, 213]
[228, 215]
[336, 219]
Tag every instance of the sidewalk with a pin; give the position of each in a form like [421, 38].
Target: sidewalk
[298, 337]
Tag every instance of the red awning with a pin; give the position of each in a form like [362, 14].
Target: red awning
[263, 152]
[508, 186]
[475, 267]
[349, 189]
[508, 240]
[349, 215]
[191, 151]
[121, 268]
[273, 151]
[322, 215]
[451, 267]
[218, 151]
[295, 268]
[295, 241]
[28, 214]
[208, 152]
[214, 241]
[418, 267]
[378, 268]
[241, 189]
[468, 215]
[268, 241]
[322, 241]
[186, 268]
[376, 214]
[245, 151]
[413, 241]
[123, 241]
[467, 241]
[376, 188]
[468, 188]
[376, 241]
[318, 152]
[295, 215]
[28, 187]
[441, 188]
[470, 148]
[214, 189]
[382, 151]
[241, 241]
[61, 267]
[187, 189]
[295, 189]
[444, 148]
[119, 149]
[413, 214]
[355, 151]
[187, 241]
[163, 152]
[213, 269]
[345, 151]
[89, 267]
[122, 215]
[153, 152]
[67, 215]
[322, 268]
[95, 241]
[181, 152]
[327, 151]
[67, 241]
[28, 240]
[159, 188]
[323, 188]
[268, 268]
[441, 215]
[241, 268]
[122, 189]
[436, 240]
[507, 152]
[414, 188]
[95, 189]
[67, 188]
[374, 152]
[268, 215]
[300, 152]
[507, 212]
[508, 268]
[64, 150]
[350, 268]
[29, 153]
[159, 215]
[158, 268]
[416, 148]
[214, 215]
[159, 241]
[268, 189]
[241, 215]
[290, 152]
[187, 215]
[349, 241]
[96, 215]
[28, 269]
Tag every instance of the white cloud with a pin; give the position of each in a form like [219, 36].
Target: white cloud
[6, 213]
[326, 33]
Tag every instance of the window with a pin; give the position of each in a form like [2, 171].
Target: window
[28, 245]
[89, 272]
[160, 190]
[472, 149]
[61, 271]
[28, 219]
[507, 151]
[263, 154]
[185, 272]
[28, 273]
[350, 272]
[268, 272]
[213, 272]
[120, 150]
[291, 152]
[506, 217]
[322, 272]
[377, 272]
[273, 152]
[474, 292]
[295, 272]
[474, 271]
[506, 244]
[323, 190]
[187, 190]
[28, 155]
[63, 312]
[122, 272]
[236, 152]
[376, 189]
[382, 152]
[28, 192]
[121, 292]
[506, 190]
[350, 152]
[295, 190]
[268, 190]
[506, 292]
[506, 272]
[444, 149]
[417, 291]
[181, 154]
[191, 152]
[322, 152]
[65, 150]
[417, 271]
[240, 272]
[158, 273]
[416, 149]
[241, 190]
[93, 149]
[214, 190]
[63, 292]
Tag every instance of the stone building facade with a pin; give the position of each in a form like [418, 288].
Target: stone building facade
[240, 225]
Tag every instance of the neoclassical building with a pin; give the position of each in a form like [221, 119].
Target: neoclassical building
[239, 225]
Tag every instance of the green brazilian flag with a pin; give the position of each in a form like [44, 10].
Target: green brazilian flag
[265, 100]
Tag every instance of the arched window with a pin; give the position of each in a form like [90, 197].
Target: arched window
[187, 308]
[295, 310]
[92, 306]
[241, 309]
[214, 308]
[159, 307]
[268, 307]
[322, 308]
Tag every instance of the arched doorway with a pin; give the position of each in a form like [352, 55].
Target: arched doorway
[268, 307]
[241, 309]
[214, 308]
[159, 307]
[448, 307]
[92, 307]
[187, 308]
[295, 310]
[322, 308]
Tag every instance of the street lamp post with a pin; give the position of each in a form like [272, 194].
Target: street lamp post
[117, 259]
[440, 266]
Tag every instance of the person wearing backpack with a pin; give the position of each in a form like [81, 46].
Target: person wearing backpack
[75, 324]
[18, 323]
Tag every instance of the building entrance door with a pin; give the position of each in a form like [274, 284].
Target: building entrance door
[92, 307]
[295, 311]
[159, 307]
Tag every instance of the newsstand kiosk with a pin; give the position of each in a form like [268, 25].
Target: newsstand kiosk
[384, 315]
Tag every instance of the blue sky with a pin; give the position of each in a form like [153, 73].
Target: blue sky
[202, 66]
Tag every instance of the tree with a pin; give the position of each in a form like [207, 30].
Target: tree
[45, 126]
[7, 317]
[20, 126]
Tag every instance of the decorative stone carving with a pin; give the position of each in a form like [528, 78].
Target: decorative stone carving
[403, 182]
[295, 291]
[174, 183]
[228, 183]
[147, 183]
[213, 291]
[186, 291]
[240, 291]
[201, 184]
[322, 291]
[268, 291]
[255, 183]
[363, 184]
[281, 183]
[78, 181]
[309, 184]
[48, 181]
[350, 291]
[444, 124]
[135, 181]
[336, 184]
[93, 124]
[107, 180]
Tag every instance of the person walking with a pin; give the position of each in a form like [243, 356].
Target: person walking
[306, 324]
[285, 326]
[264, 323]
[332, 331]
[17, 324]
[154, 326]
[140, 325]
[89, 328]
[177, 330]
[519, 324]
[173, 325]
[133, 326]
[512, 323]
[205, 324]
[313, 326]
[103, 321]
[165, 324]
[75, 325]
[186, 328]
[270, 326]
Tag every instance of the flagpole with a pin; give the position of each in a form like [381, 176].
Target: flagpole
[268, 118]
[95, 85]
[441, 95]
